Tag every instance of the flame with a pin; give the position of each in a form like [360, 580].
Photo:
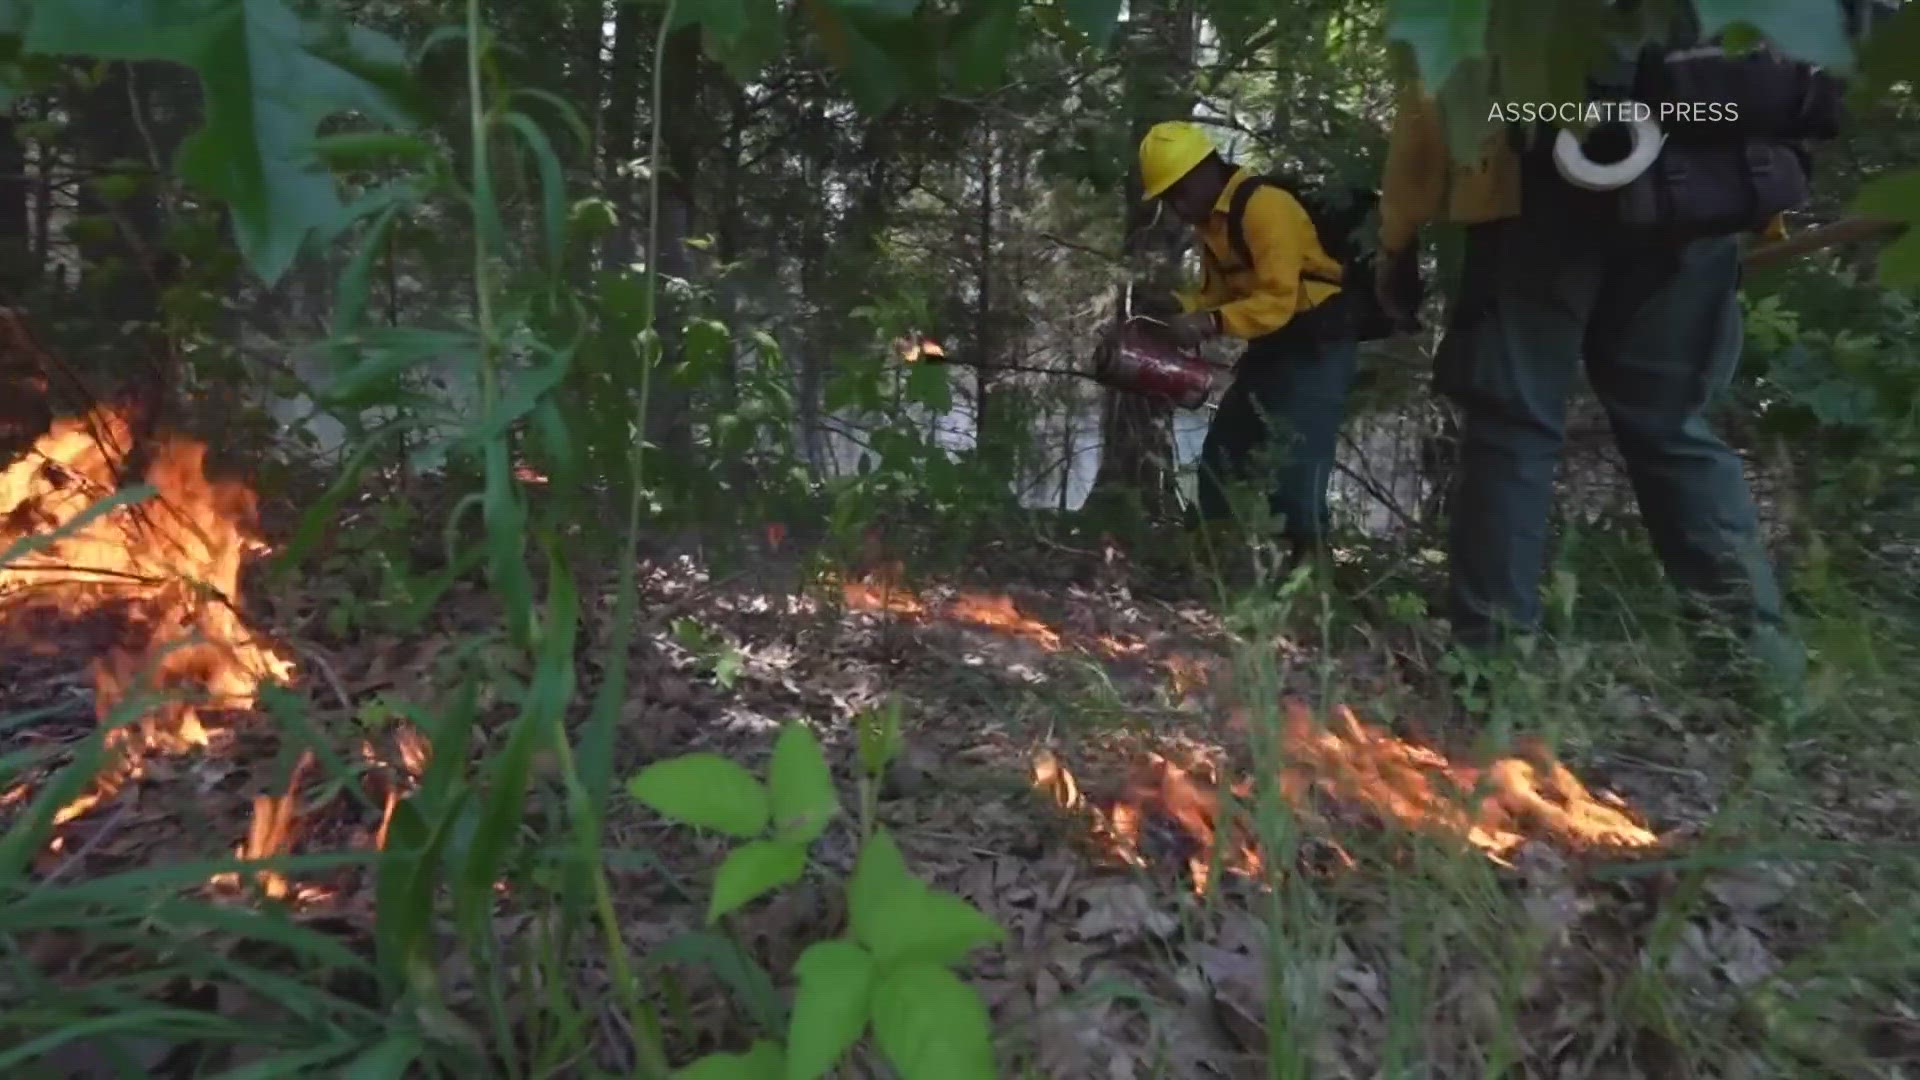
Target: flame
[997, 611]
[1185, 674]
[397, 773]
[167, 571]
[915, 347]
[1349, 768]
[881, 591]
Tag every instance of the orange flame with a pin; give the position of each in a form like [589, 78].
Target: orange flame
[1359, 770]
[881, 591]
[168, 570]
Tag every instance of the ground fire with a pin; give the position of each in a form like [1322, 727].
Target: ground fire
[1334, 773]
[1339, 774]
[161, 577]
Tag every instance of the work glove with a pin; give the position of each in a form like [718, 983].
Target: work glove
[1190, 330]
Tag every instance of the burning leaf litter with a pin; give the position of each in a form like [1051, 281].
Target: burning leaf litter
[164, 574]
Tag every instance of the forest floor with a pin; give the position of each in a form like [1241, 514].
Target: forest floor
[1680, 897]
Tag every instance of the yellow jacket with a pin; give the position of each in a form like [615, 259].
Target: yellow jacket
[1419, 178]
[1256, 300]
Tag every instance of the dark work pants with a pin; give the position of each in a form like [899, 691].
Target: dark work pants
[1278, 424]
[1657, 326]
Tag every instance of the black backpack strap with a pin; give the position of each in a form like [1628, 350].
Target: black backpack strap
[1237, 229]
[1237, 217]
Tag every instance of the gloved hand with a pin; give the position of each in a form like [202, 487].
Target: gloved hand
[1189, 330]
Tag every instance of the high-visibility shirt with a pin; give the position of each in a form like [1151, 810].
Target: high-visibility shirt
[1253, 301]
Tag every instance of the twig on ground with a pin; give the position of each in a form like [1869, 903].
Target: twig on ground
[100, 834]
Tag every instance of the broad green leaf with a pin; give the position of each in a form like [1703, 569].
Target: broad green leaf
[800, 786]
[932, 1026]
[928, 926]
[984, 41]
[880, 878]
[1441, 33]
[707, 791]
[760, 1062]
[1094, 19]
[720, 16]
[751, 871]
[931, 385]
[1896, 198]
[266, 84]
[758, 42]
[830, 1008]
[1815, 32]
[367, 149]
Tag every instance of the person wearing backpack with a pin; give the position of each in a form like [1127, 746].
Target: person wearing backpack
[1268, 279]
[1637, 285]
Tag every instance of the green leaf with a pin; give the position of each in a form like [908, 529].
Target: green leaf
[1896, 198]
[707, 791]
[932, 1026]
[732, 965]
[752, 870]
[720, 16]
[800, 786]
[761, 1062]
[266, 87]
[930, 385]
[388, 1060]
[758, 42]
[553, 188]
[928, 926]
[1814, 32]
[830, 1008]
[984, 41]
[880, 877]
[1441, 33]
[1094, 19]
[367, 149]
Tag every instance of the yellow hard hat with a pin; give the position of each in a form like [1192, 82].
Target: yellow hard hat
[1169, 152]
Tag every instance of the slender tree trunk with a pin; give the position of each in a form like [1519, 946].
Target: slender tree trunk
[985, 341]
[1137, 455]
[681, 127]
[18, 268]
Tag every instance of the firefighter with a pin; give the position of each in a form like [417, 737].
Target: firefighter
[1552, 285]
[1284, 406]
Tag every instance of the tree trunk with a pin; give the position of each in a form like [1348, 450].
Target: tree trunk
[18, 268]
[1136, 463]
[985, 341]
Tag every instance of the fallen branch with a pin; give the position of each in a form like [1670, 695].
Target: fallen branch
[1844, 231]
